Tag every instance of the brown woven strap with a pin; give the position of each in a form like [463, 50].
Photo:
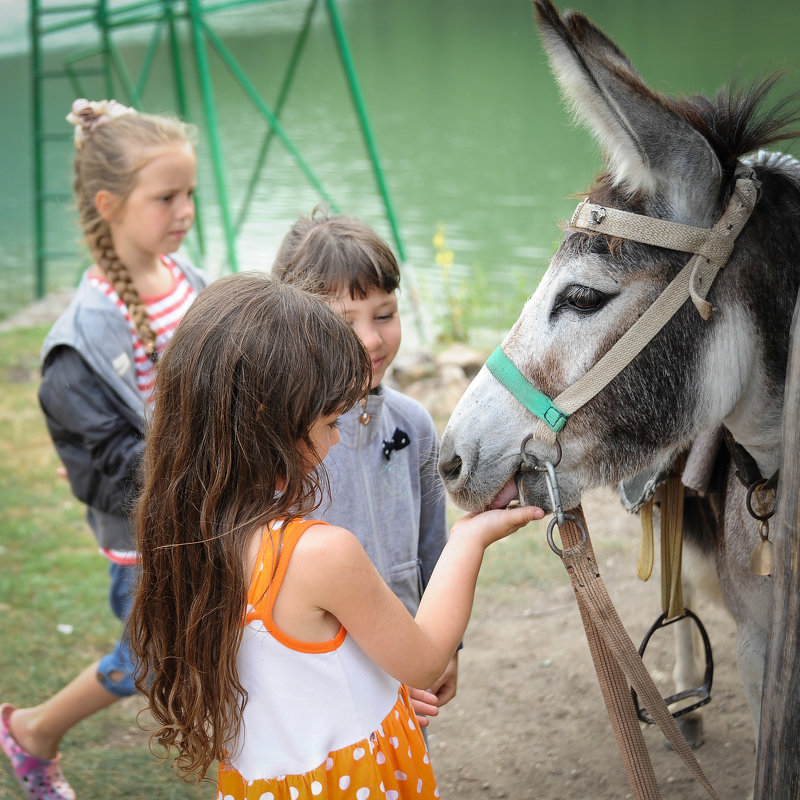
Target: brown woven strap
[619, 665]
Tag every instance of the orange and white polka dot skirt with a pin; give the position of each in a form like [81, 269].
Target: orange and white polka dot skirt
[392, 764]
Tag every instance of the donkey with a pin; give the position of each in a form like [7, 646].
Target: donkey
[719, 360]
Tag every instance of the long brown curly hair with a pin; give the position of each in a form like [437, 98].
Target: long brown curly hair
[110, 158]
[253, 364]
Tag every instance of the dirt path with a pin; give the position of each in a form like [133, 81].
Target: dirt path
[529, 719]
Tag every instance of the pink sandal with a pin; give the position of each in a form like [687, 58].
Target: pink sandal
[39, 778]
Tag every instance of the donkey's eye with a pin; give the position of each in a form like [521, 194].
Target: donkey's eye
[584, 298]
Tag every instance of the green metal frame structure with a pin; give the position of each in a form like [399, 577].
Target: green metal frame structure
[104, 62]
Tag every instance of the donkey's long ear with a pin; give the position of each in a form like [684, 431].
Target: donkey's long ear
[649, 148]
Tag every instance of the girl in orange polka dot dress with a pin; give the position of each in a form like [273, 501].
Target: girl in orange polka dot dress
[267, 641]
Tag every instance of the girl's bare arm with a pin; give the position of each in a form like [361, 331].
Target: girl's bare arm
[331, 575]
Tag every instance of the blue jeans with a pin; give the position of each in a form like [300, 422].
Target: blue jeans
[119, 662]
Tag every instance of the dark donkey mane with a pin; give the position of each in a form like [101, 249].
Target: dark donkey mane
[736, 121]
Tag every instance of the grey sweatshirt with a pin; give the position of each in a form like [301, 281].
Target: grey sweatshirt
[395, 506]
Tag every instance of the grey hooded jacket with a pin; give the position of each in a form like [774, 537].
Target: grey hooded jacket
[93, 408]
[394, 505]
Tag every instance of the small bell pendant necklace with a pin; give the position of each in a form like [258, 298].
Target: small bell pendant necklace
[364, 417]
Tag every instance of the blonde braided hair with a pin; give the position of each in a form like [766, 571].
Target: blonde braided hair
[112, 143]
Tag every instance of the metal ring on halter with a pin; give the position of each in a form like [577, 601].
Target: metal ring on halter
[528, 458]
[553, 522]
[755, 489]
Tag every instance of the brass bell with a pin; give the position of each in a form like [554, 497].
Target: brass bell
[761, 558]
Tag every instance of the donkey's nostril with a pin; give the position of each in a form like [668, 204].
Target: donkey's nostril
[451, 468]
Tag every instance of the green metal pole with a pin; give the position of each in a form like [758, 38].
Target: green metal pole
[75, 73]
[372, 149]
[149, 56]
[179, 85]
[122, 73]
[102, 23]
[177, 65]
[294, 59]
[204, 74]
[262, 107]
[38, 172]
[361, 111]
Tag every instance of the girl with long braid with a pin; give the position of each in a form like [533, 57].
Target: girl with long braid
[134, 185]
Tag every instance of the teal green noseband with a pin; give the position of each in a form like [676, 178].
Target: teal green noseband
[538, 403]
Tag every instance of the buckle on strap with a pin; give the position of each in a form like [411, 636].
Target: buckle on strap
[711, 246]
[538, 403]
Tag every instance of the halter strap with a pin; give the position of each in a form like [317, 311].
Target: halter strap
[538, 403]
[711, 248]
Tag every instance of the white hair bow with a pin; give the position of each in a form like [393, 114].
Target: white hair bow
[86, 115]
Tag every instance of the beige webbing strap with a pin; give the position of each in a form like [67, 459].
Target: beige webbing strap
[672, 547]
[622, 352]
[616, 659]
[651, 230]
[644, 567]
[615, 689]
[712, 246]
[672, 492]
[694, 281]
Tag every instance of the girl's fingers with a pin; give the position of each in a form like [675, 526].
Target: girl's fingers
[425, 703]
[499, 522]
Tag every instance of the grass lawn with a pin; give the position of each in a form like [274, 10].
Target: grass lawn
[54, 613]
[53, 595]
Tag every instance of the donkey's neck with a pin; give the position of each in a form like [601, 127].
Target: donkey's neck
[756, 423]
[767, 454]
[735, 390]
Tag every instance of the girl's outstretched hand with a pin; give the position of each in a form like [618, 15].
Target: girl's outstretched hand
[489, 526]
